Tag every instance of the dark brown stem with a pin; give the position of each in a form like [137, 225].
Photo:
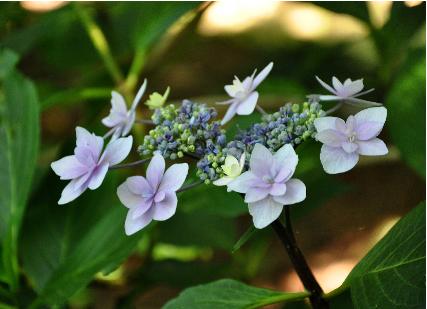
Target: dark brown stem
[190, 186]
[286, 236]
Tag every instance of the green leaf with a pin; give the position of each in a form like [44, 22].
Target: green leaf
[213, 200]
[356, 9]
[65, 246]
[392, 274]
[19, 136]
[198, 228]
[8, 60]
[406, 104]
[230, 294]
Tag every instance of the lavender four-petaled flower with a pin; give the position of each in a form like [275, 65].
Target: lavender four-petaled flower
[268, 184]
[243, 94]
[343, 142]
[88, 166]
[347, 92]
[120, 119]
[153, 197]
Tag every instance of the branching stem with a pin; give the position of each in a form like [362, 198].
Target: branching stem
[128, 165]
[190, 186]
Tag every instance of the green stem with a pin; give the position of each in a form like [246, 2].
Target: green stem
[100, 42]
[135, 69]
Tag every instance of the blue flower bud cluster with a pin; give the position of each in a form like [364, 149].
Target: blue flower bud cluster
[187, 129]
[292, 124]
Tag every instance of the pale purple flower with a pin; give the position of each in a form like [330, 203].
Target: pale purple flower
[153, 197]
[89, 165]
[349, 91]
[120, 119]
[343, 142]
[268, 184]
[243, 95]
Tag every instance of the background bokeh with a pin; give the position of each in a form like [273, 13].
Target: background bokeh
[197, 48]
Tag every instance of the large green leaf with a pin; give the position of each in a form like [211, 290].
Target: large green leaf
[19, 142]
[65, 246]
[230, 294]
[392, 274]
[406, 104]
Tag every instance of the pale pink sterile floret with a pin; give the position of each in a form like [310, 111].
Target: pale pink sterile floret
[120, 119]
[343, 142]
[268, 185]
[152, 197]
[243, 95]
[89, 165]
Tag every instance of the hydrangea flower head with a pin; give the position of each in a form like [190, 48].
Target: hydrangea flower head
[120, 118]
[153, 197]
[349, 91]
[243, 95]
[89, 165]
[186, 129]
[156, 100]
[343, 142]
[232, 168]
[268, 185]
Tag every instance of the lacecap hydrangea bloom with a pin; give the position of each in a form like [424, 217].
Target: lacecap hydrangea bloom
[243, 95]
[347, 92]
[120, 119]
[343, 142]
[156, 100]
[268, 185]
[188, 129]
[89, 165]
[292, 124]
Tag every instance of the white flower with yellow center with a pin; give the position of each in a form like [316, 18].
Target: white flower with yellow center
[232, 169]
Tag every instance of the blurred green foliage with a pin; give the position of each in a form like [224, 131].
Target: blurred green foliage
[75, 55]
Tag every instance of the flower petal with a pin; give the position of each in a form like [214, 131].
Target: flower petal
[335, 160]
[264, 212]
[371, 115]
[118, 104]
[129, 123]
[231, 111]
[127, 197]
[332, 138]
[166, 208]
[373, 147]
[295, 193]
[286, 157]
[349, 147]
[247, 106]
[262, 75]
[326, 86]
[223, 181]
[139, 185]
[155, 170]
[256, 194]
[261, 160]
[71, 192]
[97, 176]
[174, 177]
[244, 182]
[278, 189]
[354, 87]
[68, 168]
[325, 123]
[337, 85]
[91, 141]
[117, 150]
[134, 225]
[139, 95]
[368, 130]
